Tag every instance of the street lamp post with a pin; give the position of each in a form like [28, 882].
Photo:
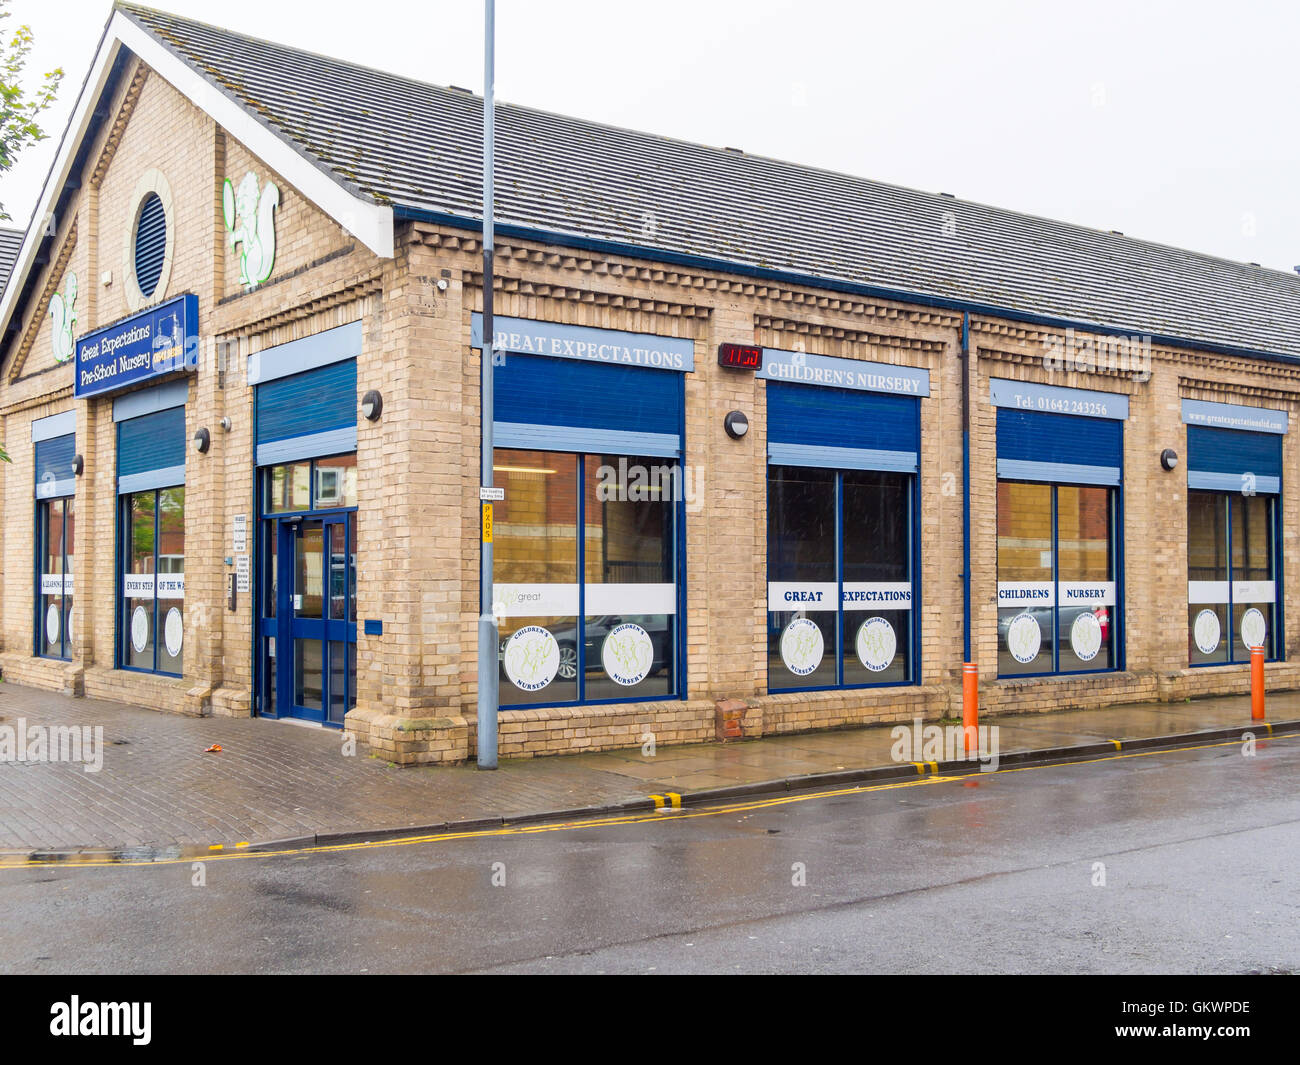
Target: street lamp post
[488, 635]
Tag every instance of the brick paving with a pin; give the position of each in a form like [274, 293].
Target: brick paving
[277, 780]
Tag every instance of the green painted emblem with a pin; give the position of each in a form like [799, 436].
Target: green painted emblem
[63, 309]
[250, 222]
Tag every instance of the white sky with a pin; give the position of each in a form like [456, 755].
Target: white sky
[1171, 121]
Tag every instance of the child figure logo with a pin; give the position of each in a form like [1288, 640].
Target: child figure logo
[63, 309]
[1024, 638]
[876, 644]
[627, 654]
[250, 221]
[532, 658]
[802, 646]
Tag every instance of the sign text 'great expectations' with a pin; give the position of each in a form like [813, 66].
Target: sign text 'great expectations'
[155, 342]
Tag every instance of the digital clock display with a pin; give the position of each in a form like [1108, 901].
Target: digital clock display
[740, 356]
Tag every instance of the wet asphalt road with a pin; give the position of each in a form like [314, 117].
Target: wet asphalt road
[987, 874]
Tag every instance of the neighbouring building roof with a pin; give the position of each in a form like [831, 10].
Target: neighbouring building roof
[10, 241]
[416, 148]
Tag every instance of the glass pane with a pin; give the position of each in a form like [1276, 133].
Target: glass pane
[138, 583]
[352, 568]
[338, 564]
[630, 594]
[271, 552]
[309, 571]
[336, 482]
[338, 683]
[308, 674]
[802, 586]
[1086, 611]
[1207, 577]
[1024, 578]
[535, 572]
[1253, 588]
[49, 620]
[269, 679]
[877, 577]
[171, 579]
[288, 488]
[352, 675]
[69, 559]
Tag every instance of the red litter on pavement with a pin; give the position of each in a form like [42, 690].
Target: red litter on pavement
[214, 749]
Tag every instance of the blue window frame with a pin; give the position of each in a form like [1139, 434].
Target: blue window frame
[841, 572]
[1059, 578]
[587, 577]
[1232, 577]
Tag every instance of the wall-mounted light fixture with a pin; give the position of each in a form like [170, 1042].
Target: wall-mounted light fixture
[736, 424]
[372, 405]
[1169, 458]
[202, 441]
[78, 464]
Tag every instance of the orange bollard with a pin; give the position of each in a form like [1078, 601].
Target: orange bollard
[1257, 684]
[970, 705]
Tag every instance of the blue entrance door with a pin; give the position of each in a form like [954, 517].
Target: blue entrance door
[311, 653]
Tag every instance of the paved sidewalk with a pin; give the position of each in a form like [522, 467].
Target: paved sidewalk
[276, 781]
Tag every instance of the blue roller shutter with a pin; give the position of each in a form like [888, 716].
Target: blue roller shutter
[151, 451]
[54, 476]
[568, 405]
[837, 428]
[1224, 459]
[308, 414]
[1065, 448]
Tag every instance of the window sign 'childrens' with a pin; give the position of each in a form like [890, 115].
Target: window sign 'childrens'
[250, 220]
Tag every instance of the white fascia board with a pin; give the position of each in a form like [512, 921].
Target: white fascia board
[370, 223]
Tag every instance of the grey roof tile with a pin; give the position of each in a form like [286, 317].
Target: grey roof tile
[402, 142]
[10, 241]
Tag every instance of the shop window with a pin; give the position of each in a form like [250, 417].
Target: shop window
[585, 577]
[153, 584]
[1231, 576]
[1057, 590]
[840, 578]
[55, 538]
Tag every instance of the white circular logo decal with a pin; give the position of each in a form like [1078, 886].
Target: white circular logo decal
[1024, 638]
[802, 646]
[876, 644]
[1206, 631]
[139, 629]
[627, 654]
[1085, 636]
[1254, 631]
[52, 624]
[173, 632]
[532, 657]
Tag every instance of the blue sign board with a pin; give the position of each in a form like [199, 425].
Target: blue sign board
[521, 336]
[158, 341]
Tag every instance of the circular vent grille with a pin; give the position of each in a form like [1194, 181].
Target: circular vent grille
[150, 244]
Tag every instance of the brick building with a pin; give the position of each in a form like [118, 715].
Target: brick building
[239, 364]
